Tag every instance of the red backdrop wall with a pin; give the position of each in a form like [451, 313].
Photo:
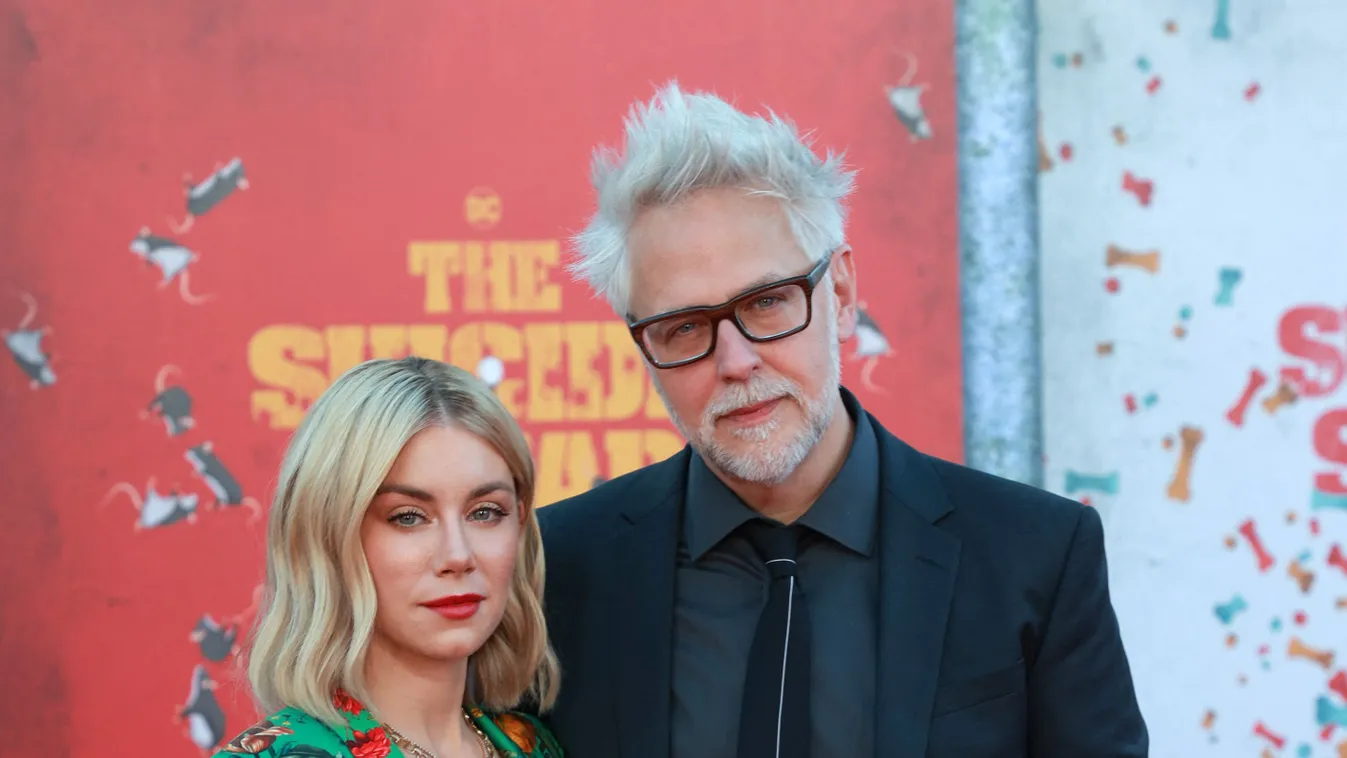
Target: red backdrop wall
[412, 172]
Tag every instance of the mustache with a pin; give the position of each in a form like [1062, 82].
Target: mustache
[757, 390]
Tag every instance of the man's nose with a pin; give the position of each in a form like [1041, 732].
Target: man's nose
[736, 356]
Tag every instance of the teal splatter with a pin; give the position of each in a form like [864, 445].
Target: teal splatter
[1186, 312]
[1059, 60]
[1150, 400]
[1303, 751]
[1143, 64]
[1276, 625]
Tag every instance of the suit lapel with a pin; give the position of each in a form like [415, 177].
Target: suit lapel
[646, 544]
[918, 567]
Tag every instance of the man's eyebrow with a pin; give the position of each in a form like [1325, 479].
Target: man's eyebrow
[762, 281]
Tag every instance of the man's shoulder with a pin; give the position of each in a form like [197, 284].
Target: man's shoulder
[976, 497]
[586, 508]
[288, 731]
[995, 497]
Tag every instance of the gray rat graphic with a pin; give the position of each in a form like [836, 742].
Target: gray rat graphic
[871, 345]
[26, 346]
[222, 483]
[202, 712]
[905, 99]
[156, 509]
[172, 260]
[172, 404]
[219, 640]
[223, 181]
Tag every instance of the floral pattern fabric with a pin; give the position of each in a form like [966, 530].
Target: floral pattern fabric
[291, 733]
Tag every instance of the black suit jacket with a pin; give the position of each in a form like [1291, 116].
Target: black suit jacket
[996, 632]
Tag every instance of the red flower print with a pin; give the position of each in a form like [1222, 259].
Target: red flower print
[344, 702]
[371, 744]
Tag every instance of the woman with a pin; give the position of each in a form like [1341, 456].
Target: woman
[404, 578]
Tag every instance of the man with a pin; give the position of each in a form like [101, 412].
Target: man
[798, 581]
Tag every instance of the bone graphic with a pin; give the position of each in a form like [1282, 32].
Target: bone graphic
[1228, 278]
[1261, 730]
[1339, 684]
[1337, 559]
[1220, 28]
[1044, 159]
[1148, 260]
[1227, 611]
[1298, 649]
[1250, 533]
[1141, 188]
[1254, 383]
[1326, 712]
[1076, 482]
[1303, 576]
[1285, 395]
[1190, 437]
[1208, 719]
[1321, 499]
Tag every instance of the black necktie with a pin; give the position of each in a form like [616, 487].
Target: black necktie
[774, 722]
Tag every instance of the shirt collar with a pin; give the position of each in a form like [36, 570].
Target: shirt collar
[845, 512]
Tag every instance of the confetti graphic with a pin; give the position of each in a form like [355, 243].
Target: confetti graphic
[1190, 438]
[1249, 531]
[1148, 260]
[1107, 483]
[1220, 28]
[1240, 409]
[1228, 278]
[1142, 189]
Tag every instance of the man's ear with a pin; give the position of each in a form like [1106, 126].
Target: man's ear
[842, 271]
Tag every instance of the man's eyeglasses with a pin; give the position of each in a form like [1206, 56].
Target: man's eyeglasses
[762, 314]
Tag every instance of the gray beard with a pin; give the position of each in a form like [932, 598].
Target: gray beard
[769, 459]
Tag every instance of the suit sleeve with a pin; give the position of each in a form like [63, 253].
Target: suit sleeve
[1081, 696]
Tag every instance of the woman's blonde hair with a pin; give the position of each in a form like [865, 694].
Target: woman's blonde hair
[319, 600]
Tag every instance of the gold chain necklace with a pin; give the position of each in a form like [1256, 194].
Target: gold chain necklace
[417, 751]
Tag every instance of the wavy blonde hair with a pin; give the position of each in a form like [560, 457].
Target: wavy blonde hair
[319, 600]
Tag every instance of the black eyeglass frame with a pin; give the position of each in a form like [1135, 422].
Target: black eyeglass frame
[727, 309]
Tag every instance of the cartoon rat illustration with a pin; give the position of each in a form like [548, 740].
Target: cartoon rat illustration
[222, 483]
[25, 345]
[871, 345]
[156, 509]
[172, 260]
[905, 99]
[172, 404]
[223, 181]
[218, 641]
[205, 719]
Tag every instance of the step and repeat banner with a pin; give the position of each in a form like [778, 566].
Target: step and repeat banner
[1195, 339]
[211, 209]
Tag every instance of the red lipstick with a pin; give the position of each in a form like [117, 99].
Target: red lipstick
[456, 607]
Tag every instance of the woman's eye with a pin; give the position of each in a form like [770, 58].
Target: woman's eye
[406, 518]
[487, 513]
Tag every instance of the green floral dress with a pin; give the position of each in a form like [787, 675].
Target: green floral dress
[291, 733]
